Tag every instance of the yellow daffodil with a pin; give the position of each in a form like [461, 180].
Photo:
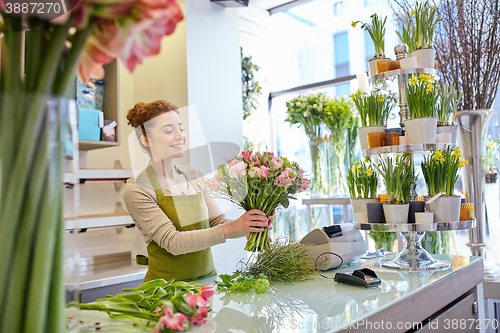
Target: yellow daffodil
[424, 78]
[369, 172]
[438, 154]
[430, 87]
[353, 24]
[356, 164]
[413, 12]
[491, 144]
[413, 80]
[441, 160]
[351, 96]
[461, 164]
[367, 159]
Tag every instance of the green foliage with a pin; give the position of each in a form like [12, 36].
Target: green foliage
[380, 237]
[337, 118]
[449, 99]
[422, 96]
[362, 180]
[251, 89]
[308, 111]
[285, 261]
[242, 282]
[373, 109]
[491, 154]
[377, 32]
[398, 175]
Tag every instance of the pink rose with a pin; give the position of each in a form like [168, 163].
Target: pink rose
[270, 155]
[237, 169]
[263, 172]
[253, 172]
[277, 163]
[207, 290]
[232, 162]
[301, 171]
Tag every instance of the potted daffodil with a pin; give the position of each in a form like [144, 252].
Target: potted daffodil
[362, 181]
[440, 170]
[373, 109]
[449, 100]
[422, 97]
[398, 174]
[376, 29]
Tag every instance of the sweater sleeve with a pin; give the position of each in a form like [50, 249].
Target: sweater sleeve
[156, 226]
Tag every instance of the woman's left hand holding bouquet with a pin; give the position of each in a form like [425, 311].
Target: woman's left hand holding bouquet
[251, 221]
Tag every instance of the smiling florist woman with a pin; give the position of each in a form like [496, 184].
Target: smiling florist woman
[170, 205]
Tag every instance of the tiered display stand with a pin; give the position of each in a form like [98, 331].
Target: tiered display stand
[413, 256]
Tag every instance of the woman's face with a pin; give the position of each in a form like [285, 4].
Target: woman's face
[166, 137]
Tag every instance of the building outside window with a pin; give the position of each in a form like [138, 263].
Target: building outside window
[338, 8]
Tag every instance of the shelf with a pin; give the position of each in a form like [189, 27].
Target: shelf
[98, 221]
[105, 175]
[415, 148]
[90, 145]
[327, 201]
[415, 227]
[404, 71]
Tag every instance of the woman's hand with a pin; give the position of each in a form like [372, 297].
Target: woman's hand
[252, 221]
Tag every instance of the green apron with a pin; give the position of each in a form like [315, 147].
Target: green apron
[187, 212]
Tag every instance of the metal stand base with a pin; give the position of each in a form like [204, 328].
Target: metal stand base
[414, 257]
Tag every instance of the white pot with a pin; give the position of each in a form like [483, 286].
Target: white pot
[396, 213]
[425, 57]
[424, 217]
[421, 130]
[452, 129]
[359, 205]
[443, 138]
[363, 134]
[410, 62]
[446, 208]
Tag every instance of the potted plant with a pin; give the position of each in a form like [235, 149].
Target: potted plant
[362, 181]
[440, 170]
[449, 99]
[377, 33]
[490, 160]
[398, 175]
[308, 111]
[373, 111]
[426, 20]
[422, 97]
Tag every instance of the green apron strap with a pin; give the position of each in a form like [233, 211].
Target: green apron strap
[141, 259]
[156, 184]
[190, 180]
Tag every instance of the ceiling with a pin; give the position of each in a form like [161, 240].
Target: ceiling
[269, 4]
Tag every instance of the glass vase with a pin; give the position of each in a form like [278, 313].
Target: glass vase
[335, 168]
[38, 153]
[319, 185]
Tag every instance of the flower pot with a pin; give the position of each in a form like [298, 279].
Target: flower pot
[446, 209]
[396, 213]
[359, 205]
[383, 65]
[410, 62]
[425, 57]
[375, 212]
[363, 134]
[421, 130]
[452, 129]
[443, 138]
[415, 207]
[424, 217]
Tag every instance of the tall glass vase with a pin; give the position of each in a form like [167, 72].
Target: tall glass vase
[335, 168]
[473, 125]
[38, 147]
[319, 185]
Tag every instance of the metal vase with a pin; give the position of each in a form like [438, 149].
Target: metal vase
[472, 128]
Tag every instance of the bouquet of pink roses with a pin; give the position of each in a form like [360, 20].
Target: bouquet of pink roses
[261, 181]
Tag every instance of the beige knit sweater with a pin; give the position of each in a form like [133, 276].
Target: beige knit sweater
[142, 204]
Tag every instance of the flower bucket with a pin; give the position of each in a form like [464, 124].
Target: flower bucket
[415, 207]
[372, 66]
[452, 129]
[363, 134]
[446, 209]
[375, 212]
[359, 205]
[397, 214]
[425, 57]
[421, 130]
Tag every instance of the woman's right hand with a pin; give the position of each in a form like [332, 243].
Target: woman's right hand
[252, 221]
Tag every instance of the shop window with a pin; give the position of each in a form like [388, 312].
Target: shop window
[341, 45]
[338, 8]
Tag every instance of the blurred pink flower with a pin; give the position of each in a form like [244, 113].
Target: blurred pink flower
[271, 155]
[175, 321]
[217, 178]
[237, 169]
[207, 290]
[306, 183]
[92, 61]
[201, 301]
[277, 163]
[263, 172]
[253, 172]
[201, 316]
[214, 185]
[232, 162]
[246, 154]
[190, 300]
[301, 171]
[156, 19]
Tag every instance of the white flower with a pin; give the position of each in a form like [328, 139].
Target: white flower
[297, 104]
[305, 114]
[315, 106]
